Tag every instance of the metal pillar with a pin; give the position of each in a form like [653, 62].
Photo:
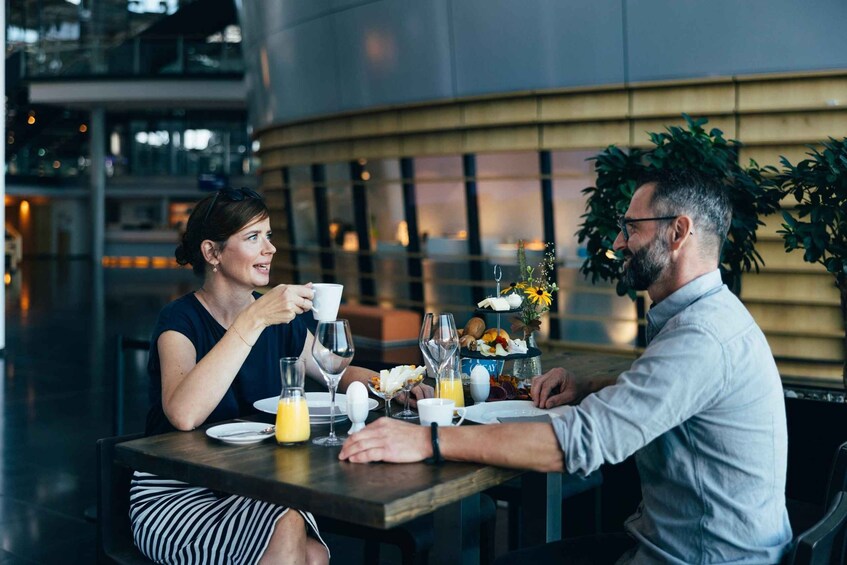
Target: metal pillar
[97, 148]
[414, 264]
[288, 201]
[3, 179]
[545, 163]
[474, 239]
[322, 213]
[367, 289]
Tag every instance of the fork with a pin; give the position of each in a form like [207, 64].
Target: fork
[265, 431]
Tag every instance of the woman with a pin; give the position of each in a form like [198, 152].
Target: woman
[213, 353]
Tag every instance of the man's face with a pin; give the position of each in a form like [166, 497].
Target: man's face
[643, 266]
[646, 253]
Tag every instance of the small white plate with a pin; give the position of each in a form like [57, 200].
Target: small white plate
[318, 406]
[488, 412]
[223, 432]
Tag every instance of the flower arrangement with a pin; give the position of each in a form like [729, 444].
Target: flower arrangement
[536, 287]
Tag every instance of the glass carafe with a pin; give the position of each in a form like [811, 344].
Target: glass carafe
[450, 383]
[292, 413]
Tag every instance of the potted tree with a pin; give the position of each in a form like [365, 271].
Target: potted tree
[819, 185]
[752, 193]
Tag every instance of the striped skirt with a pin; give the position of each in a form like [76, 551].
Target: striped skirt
[174, 522]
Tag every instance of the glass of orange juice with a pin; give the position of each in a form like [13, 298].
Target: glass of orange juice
[450, 386]
[292, 412]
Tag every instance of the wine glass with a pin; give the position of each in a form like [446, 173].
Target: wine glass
[438, 342]
[333, 350]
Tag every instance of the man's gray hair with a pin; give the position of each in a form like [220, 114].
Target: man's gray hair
[704, 199]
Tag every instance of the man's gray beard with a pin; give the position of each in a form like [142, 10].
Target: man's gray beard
[647, 264]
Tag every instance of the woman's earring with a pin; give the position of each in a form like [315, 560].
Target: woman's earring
[214, 268]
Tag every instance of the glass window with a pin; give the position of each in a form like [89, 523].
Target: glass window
[589, 313]
[387, 227]
[342, 227]
[305, 222]
[442, 220]
[509, 200]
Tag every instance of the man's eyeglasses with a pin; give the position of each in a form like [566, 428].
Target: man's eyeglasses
[623, 221]
[231, 194]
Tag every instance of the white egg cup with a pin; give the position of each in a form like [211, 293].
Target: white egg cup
[480, 391]
[357, 411]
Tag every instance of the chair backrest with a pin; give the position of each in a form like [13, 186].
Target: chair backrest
[123, 344]
[824, 543]
[114, 537]
[838, 475]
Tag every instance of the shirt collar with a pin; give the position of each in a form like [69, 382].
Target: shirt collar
[672, 305]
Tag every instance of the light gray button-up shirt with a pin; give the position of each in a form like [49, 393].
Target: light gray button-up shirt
[703, 411]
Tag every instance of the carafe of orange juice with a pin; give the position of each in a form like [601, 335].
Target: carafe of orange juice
[450, 385]
[292, 413]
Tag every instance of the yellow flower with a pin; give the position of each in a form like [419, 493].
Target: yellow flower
[513, 287]
[538, 295]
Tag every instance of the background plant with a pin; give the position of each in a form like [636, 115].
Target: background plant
[752, 192]
[819, 186]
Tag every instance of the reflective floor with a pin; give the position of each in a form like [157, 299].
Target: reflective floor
[61, 323]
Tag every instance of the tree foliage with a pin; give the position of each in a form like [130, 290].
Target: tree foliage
[752, 191]
[819, 186]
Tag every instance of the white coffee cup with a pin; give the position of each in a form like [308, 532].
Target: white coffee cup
[440, 411]
[326, 301]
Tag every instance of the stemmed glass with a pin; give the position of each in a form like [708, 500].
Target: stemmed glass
[385, 396]
[407, 413]
[438, 342]
[333, 350]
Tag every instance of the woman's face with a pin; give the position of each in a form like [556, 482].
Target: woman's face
[246, 257]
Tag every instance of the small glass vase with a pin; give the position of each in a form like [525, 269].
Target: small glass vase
[528, 367]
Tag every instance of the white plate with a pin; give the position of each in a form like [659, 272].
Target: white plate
[318, 406]
[223, 432]
[488, 412]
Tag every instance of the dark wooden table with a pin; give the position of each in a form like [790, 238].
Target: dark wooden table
[377, 494]
[308, 477]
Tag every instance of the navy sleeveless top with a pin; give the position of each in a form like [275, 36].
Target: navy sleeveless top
[258, 377]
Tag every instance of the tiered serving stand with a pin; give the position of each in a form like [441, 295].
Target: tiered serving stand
[468, 354]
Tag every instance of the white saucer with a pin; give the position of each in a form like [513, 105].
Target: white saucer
[318, 406]
[223, 431]
[488, 412]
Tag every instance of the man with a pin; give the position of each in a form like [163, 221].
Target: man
[702, 408]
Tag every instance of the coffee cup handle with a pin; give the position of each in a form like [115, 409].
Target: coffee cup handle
[461, 412]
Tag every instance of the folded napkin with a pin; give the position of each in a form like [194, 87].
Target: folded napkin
[515, 419]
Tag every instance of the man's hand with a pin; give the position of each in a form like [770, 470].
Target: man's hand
[556, 387]
[388, 440]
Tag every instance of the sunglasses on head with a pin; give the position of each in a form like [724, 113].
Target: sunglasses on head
[231, 195]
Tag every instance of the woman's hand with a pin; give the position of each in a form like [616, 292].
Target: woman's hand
[285, 301]
[419, 392]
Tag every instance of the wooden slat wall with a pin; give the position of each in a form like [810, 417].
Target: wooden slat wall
[795, 302]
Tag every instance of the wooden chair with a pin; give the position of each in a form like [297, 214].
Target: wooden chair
[114, 538]
[122, 345]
